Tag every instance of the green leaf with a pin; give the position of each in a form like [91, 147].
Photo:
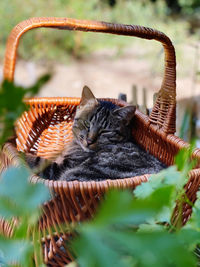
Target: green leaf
[18, 251]
[119, 210]
[95, 253]
[194, 221]
[11, 96]
[145, 189]
[12, 105]
[150, 227]
[134, 230]
[183, 159]
[158, 248]
[185, 125]
[18, 196]
[123, 208]
[169, 176]
[150, 246]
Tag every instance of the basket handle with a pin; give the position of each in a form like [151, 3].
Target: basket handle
[163, 115]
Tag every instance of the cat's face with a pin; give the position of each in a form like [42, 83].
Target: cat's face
[97, 123]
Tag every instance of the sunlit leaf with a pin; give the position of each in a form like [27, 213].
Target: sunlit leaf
[170, 176]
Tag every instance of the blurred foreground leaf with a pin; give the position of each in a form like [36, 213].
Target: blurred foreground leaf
[18, 197]
[21, 200]
[119, 206]
[136, 230]
[12, 106]
[117, 242]
[18, 251]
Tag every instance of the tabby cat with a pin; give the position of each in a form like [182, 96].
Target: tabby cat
[101, 148]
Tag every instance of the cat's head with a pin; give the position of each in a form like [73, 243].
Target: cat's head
[99, 122]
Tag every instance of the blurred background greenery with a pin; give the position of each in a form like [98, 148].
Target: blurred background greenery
[178, 18]
[108, 64]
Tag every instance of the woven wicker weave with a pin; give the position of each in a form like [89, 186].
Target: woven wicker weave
[46, 128]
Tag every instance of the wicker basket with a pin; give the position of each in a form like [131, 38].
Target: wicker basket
[46, 128]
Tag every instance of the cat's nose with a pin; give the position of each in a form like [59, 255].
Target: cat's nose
[89, 141]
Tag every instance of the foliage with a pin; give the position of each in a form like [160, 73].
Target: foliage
[188, 126]
[11, 104]
[190, 7]
[19, 198]
[137, 231]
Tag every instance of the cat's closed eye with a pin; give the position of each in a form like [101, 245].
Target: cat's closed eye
[81, 124]
[87, 124]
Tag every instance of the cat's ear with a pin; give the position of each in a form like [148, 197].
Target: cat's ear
[87, 97]
[125, 113]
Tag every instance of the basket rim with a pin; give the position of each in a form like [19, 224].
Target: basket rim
[106, 183]
[67, 100]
